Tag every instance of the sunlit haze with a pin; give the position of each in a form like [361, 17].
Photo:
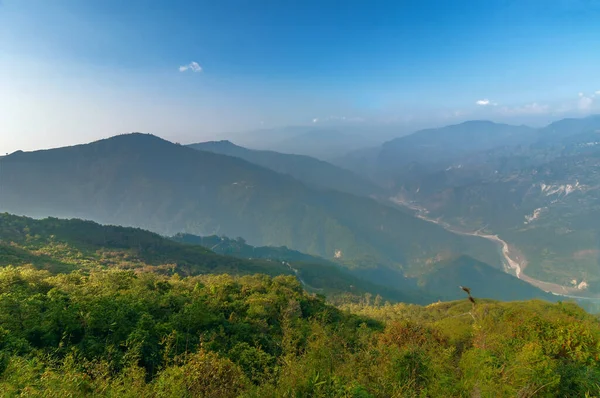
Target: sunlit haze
[74, 71]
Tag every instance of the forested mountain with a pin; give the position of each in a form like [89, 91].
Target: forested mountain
[60, 245]
[488, 282]
[440, 283]
[304, 168]
[445, 143]
[536, 188]
[144, 181]
[428, 149]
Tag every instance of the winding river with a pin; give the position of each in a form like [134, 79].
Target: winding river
[512, 265]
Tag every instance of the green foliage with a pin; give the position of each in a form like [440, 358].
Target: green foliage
[64, 245]
[318, 275]
[114, 333]
[490, 282]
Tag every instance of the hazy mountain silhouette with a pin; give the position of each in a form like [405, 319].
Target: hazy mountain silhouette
[304, 168]
[142, 180]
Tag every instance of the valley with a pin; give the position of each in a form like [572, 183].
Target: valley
[299, 199]
[513, 264]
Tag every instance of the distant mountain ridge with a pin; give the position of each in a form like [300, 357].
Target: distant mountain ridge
[144, 181]
[433, 146]
[321, 140]
[537, 188]
[309, 170]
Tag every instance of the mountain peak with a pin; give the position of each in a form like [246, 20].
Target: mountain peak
[220, 143]
[133, 136]
[224, 147]
[478, 122]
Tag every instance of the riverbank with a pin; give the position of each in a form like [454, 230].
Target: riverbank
[511, 265]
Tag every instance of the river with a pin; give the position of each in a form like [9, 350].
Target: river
[512, 265]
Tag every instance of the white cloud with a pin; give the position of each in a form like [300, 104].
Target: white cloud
[581, 94]
[486, 102]
[597, 92]
[193, 66]
[585, 103]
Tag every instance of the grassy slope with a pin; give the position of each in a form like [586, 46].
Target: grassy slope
[59, 245]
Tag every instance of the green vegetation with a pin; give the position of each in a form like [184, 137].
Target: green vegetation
[122, 333]
[65, 245]
[491, 283]
[438, 281]
[91, 310]
[144, 181]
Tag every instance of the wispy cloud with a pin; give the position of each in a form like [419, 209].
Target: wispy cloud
[193, 66]
[485, 102]
[585, 103]
[354, 119]
[528, 109]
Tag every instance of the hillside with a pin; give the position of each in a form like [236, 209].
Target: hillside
[65, 245]
[440, 283]
[62, 246]
[117, 333]
[324, 141]
[536, 188]
[414, 155]
[304, 168]
[484, 281]
[542, 198]
[143, 181]
[444, 143]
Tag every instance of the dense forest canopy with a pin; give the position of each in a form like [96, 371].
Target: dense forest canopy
[125, 333]
[91, 310]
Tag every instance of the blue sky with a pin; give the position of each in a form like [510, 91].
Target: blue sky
[72, 71]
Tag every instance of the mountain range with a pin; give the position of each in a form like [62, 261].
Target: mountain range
[537, 188]
[64, 246]
[143, 181]
[325, 139]
[309, 170]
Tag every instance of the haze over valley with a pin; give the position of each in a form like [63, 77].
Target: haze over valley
[233, 199]
[515, 198]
